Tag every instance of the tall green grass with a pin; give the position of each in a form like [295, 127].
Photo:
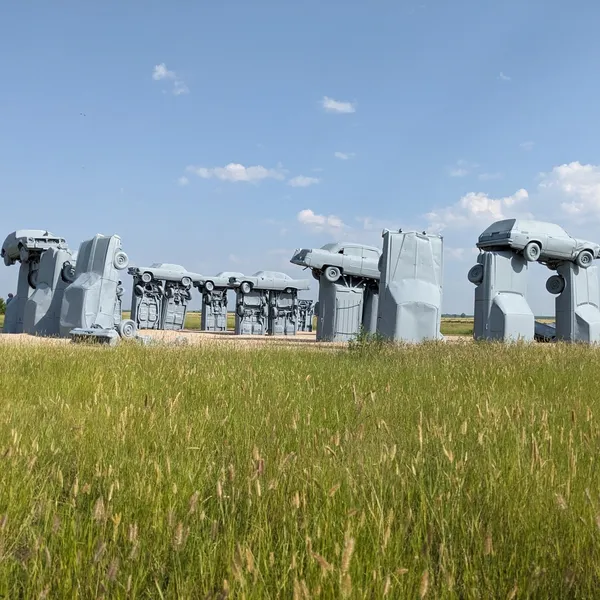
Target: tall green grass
[442, 471]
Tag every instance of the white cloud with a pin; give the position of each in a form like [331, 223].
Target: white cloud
[344, 155]
[526, 145]
[489, 176]
[576, 187]
[503, 77]
[161, 72]
[236, 172]
[183, 181]
[303, 181]
[474, 208]
[335, 106]
[318, 223]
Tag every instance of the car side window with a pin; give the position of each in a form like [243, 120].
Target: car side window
[370, 254]
[352, 252]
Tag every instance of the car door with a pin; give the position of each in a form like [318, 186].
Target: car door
[558, 242]
[370, 266]
[352, 260]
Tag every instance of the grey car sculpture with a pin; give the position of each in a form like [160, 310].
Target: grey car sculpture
[538, 241]
[166, 272]
[338, 258]
[92, 303]
[268, 280]
[160, 296]
[214, 299]
[27, 247]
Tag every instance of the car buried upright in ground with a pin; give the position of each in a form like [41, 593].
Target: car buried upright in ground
[547, 243]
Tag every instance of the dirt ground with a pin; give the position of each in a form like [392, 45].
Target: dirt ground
[194, 337]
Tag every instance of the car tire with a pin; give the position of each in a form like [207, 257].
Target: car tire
[138, 290]
[289, 291]
[146, 277]
[555, 284]
[532, 251]
[245, 287]
[186, 281]
[239, 309]
[316, 274]
[67, 273]
[120, 260]
[332, 274]
[127, 328]
[475, 274]
[584, 259]
[209, 286]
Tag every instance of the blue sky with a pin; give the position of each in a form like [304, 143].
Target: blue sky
[122, 117]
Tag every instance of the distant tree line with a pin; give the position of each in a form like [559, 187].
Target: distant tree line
[2, 306]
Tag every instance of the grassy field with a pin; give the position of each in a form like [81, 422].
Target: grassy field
[439, 471]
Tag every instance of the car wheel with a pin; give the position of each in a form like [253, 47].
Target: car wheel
[120, 260]
[138, 290]
[186, 281]
[475, 274]
[32, 278]
[127, 328]
[584, 259]
[555, 284]
[239, 309]
[147, 277]
[332, 274]
[532, 251]
[316, 274]
[206, 299]
[246, 288]
[67, 273]
[274, 312]
[209, 286]
[289, 291]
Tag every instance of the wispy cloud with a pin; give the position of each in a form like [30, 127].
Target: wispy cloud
[182, 181]
[235, 172]
[161, 73]
[344, 155]
[337, 106]
[462, 168]
[526, 145]
[503, 77]
[489, 176]
[303, 181]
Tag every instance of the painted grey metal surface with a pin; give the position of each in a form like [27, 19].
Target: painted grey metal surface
[547, 243]
[94, 298]
[147, 304]
[214, 310]
[370, 306]
[267, 303]
[96, 335]
[340, 310]
[42, 309]
[410, 288]
[214, 299]
[577, 303]
[160, 295]
[283, 313]
[305, 314]
[501, 308]
[252, 312]
[268, 280]
[339, 258]
[25, 246]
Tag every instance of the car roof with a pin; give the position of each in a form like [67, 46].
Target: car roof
[168, 266]
[229, 274]
[527, 225]
[274, 274]
[337, 245]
